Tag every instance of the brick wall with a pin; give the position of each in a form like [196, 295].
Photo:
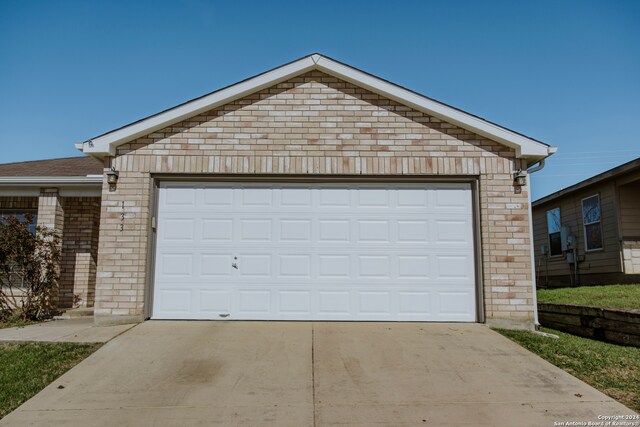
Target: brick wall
[79, 251]
[18, 202]
[316, 125]
[78, 221]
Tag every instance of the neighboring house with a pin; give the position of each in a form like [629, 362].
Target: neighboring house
[311, 191]
[63, 194]
[602, 217]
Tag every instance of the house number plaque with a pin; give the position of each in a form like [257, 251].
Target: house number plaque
[122, 218]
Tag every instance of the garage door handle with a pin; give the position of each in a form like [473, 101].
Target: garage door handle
[234, 265]
[224, 315]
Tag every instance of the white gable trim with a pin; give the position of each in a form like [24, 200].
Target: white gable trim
[105, 145]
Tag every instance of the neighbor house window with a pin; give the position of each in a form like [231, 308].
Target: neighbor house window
[553, 229]
[591, 222]
[21, 215]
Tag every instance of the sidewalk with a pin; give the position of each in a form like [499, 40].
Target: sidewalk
[78, 330]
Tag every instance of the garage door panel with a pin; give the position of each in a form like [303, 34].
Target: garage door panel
[214, 302]
[295, 230]
[373, 231]
[374, 302]
[256, 197]
[333, 198]
[326, 252]
[414, 303]
[175, 301]
[334, 303]
[254, 301]
[331, 266]
[373, 198]
[453, 231]
[178, 229]
[454, 267]
[413, 267]
[412, 231]
[411, 199]
[255, 265]
[218, 197]
[216, 265]
[334, 230]
[255, 230]
[217, 230]
[294, 265]
[294, 302]
[186, 197]
[453, 303]
[374, 266]
[295, 197]
[177, 264]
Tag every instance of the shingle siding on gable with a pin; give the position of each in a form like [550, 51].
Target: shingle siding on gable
[315, 125]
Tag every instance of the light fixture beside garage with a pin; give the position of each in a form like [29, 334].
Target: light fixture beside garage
[520, 178]
[112, 178]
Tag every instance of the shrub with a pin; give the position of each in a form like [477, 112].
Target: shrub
[29, 269]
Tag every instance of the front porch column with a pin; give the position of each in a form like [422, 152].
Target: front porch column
[50, 210]
[51, 215]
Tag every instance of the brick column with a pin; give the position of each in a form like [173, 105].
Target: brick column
[51, 213]
[79, 252]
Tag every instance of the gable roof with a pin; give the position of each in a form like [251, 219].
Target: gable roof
[525, 147]
[632, 166]
[68, 166]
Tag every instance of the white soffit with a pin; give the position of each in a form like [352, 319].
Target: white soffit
[105, 145]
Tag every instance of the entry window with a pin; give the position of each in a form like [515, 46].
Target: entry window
[21, 215]
[553, 229]
[591, 222]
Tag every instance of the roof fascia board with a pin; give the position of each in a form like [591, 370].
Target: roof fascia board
[524, 147]
[614, 173]
[66, 191]
[106, 144]
[93, 180]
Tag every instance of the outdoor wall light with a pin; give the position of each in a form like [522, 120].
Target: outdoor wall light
[112, 178]
[520, 179]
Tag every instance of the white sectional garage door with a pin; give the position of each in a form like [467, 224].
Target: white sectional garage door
[315, 252]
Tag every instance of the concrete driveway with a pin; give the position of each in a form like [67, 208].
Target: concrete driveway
[306, 374]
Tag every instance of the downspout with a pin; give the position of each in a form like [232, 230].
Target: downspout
[534, 286]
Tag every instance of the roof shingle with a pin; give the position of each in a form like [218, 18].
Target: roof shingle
[69, 166]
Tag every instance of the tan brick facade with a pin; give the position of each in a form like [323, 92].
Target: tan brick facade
[77, 220]
[315, 125]
[18, 202]
[79, 251]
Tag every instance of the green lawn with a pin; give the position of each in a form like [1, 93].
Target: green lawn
[618, 296]
[25, 369]
[612, 369]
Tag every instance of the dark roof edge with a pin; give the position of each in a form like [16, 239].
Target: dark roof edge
[608, 174]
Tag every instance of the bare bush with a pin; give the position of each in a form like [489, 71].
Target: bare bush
[29, 269]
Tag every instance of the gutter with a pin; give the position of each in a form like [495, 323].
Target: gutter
[51, 180]
[534, 285]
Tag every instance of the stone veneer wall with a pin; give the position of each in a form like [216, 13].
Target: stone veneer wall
[314, 124]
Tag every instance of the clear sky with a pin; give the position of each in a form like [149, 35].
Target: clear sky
[564, 72]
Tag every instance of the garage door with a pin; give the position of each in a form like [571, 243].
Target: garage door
[315, 252]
